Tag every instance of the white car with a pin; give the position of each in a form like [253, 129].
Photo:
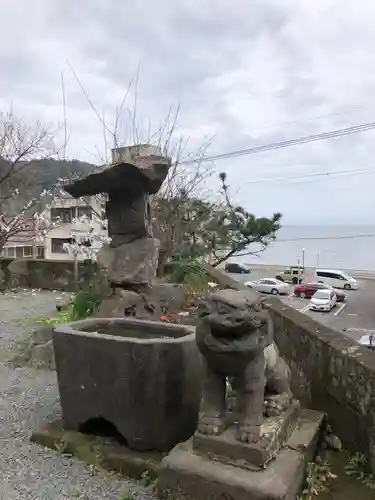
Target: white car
[269, 285]
[336, 279]
[323, 300]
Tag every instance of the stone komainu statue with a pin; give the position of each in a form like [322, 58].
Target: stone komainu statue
[235, 335]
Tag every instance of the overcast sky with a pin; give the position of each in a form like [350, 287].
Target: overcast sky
[245, 73]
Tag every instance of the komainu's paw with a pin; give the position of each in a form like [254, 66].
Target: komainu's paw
[277, 404]
[211, 425]
[248, 433]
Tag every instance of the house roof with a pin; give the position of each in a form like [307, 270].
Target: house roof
[25, 233]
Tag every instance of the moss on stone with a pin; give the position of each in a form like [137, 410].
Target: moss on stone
[103, 453]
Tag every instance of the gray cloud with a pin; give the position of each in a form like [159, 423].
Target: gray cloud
[249, 73]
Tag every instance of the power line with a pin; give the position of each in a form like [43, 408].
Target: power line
[310, 119]
[284, 144]
[317, 174]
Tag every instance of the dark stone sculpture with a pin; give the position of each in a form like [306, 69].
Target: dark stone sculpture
[234, 334]
[128, 186]
[130, 261]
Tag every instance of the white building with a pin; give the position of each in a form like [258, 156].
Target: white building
[64, 210]
[26, 242]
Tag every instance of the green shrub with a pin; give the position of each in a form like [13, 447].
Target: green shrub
[87, 301]
[189, 272]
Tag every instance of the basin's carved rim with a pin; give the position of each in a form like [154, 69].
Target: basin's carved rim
[77, 328]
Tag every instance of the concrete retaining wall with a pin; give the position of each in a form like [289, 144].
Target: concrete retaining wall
[330, 372]
[45, 274]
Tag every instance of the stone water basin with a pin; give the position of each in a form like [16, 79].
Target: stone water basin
[141, 377]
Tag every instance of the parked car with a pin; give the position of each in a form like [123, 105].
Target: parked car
[307, 290]
[269, 285]
[336, 279]
[292, 275]
[323, 300]
[237, 267]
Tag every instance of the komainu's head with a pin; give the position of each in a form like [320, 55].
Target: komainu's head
[235, 314]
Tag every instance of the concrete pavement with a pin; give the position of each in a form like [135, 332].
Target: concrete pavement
[265, 269]
[358, 312]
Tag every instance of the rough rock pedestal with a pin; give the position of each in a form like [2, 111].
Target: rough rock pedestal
[261, 449]
[131, 264]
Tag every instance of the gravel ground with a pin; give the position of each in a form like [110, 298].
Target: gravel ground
[29, 399]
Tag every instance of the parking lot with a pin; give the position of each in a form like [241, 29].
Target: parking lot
[358, 312]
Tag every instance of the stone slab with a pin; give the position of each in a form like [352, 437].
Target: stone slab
[187, 475]
[102, 452]
[227, 449]
[145, 175]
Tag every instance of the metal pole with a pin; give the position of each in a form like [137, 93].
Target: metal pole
[298, 271]
[317, 260]
[303, 258]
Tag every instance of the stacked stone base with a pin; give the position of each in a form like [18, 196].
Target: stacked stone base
[191, 474]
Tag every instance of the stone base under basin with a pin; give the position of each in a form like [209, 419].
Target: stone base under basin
[186, 474]
[102, 452]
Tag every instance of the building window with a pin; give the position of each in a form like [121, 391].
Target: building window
[40, 253]
[27, 251]
[10, 252]
[57, 244]
[19, 252]
[62, 214]
[84, 212]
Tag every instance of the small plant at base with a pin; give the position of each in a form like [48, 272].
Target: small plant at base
[60, 448]
[318, 475]
[146, 478]
[359, 467]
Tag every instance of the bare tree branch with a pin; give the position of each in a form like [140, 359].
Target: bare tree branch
[21, 147]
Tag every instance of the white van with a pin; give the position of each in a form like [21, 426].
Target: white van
[336, 279]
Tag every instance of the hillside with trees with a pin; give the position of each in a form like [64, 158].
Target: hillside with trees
[32, 177]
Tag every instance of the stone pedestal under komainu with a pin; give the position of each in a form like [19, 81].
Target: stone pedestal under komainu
[259, 450]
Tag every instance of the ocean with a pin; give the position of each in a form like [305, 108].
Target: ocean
[333, 247]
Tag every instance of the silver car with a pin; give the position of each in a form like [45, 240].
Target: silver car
[269, 285]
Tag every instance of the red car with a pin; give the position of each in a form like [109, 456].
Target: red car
[307, 290]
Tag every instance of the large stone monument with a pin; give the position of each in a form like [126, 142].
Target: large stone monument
[257, 451]
[130, 260]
